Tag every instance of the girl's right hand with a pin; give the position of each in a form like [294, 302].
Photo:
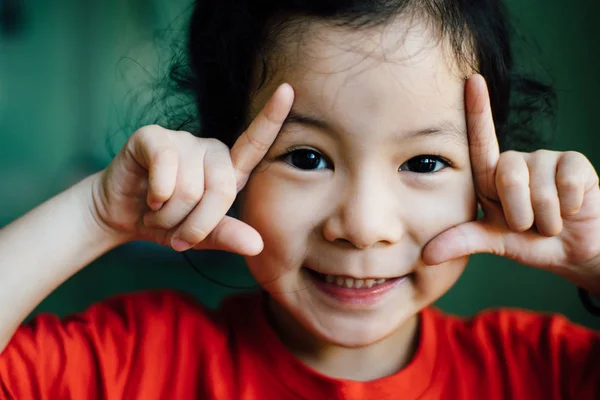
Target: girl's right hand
[175, 189]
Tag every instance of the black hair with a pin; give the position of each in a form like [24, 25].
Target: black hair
[227, 37]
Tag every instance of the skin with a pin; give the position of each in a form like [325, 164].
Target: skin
[364, 214]
[359, 215]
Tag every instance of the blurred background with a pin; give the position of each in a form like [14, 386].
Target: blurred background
[75, 79]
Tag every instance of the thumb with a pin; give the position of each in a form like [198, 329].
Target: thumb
[234, 236]
[463, 240]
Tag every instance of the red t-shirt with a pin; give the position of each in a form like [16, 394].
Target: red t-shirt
[164, 345]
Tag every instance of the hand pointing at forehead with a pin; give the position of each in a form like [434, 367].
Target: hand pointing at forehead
[540, 209]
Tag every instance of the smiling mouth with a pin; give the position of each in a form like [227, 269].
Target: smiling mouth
[351, 283]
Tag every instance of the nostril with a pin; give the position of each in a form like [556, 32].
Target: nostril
[362, 230]
[344, 243]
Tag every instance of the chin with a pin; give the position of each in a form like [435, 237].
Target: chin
[362, 333]
[351, 329]
[337, 318]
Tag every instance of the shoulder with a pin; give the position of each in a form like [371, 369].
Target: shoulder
[155, 340]
[125, 323]
[522, 326]
[517, 353]
[152, 314]
[509, 327]
[521, 341]
[136, 308]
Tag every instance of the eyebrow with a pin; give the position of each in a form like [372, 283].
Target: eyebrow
[295, 117]
[446, 129]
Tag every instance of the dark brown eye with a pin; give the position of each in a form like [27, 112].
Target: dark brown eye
[306, 159]
[425, 164]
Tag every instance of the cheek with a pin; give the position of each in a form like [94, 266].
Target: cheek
[449, 206]
[440, 209]
[433, 282]
[283, 219]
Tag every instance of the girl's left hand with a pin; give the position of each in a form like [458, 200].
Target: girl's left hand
[541, 209]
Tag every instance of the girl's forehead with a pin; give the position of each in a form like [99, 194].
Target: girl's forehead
[393, 76]
[318, 47]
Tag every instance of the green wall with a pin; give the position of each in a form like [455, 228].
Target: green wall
[71, 81]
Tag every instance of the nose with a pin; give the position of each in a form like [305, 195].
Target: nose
[368, 214]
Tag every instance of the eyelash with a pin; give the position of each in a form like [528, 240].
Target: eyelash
[297, 150]
[434, 157]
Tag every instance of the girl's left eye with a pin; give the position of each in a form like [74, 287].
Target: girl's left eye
[425, 164]
[306, 159]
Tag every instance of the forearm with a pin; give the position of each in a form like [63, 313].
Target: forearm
[44, 248]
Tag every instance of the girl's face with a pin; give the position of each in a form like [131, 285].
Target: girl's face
[372, 163]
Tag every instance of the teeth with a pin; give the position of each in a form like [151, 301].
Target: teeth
[353, 283]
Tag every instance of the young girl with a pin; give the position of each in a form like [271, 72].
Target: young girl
[368, 143]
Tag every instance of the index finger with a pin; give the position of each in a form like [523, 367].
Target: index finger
[483, 143]
[253, 144]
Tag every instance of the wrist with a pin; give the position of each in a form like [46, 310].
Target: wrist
[589, 276]
[90, 196]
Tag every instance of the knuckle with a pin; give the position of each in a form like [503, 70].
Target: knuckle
[194, 234]
[190, 194]
[554, 229]
[225, 191]
[148, 137]
[542, 153]
[569, 210]
[168, 154]
[574, 154]
[273, 117]
[511, 179]
[148, 131]
[161, 221]
[189, 189]
[511, 157]
[543, 198]
[258, 145]
[184, 139]
[520, 223]
[568, 182]
[182, 133]
[511, 154]
[160, 195]
[521, 226]
[212, 145]
[216, 144]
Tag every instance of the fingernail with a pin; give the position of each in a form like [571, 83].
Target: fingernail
[180, 245]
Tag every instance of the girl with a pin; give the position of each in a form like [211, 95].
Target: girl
[371, 145]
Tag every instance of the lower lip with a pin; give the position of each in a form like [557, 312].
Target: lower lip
[360, 297]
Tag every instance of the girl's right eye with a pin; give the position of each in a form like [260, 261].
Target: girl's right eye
[306, 159]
